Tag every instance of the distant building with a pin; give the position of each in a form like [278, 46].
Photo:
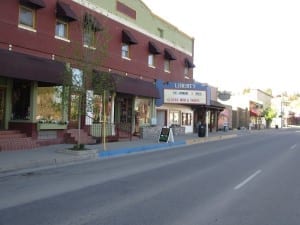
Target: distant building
[248, 109]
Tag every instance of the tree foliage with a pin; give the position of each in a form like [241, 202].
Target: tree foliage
[84, 57]
[269, 113]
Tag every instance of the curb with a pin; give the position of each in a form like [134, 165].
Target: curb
[208, 139]
[161, 146]
[143, 148]
[45, 164]
[83, 156]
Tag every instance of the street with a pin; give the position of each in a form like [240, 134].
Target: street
[252, 179]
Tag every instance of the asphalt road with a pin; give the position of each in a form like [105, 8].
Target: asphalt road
[253, 179]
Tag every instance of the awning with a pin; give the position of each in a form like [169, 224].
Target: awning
[27, 67]
[216, 105]
[153, 48]
[134, 86]
[91, 22]
[33, 3]
[188, 63]
[64, 11]
[128, 38]
[253, 113]
[169, 54]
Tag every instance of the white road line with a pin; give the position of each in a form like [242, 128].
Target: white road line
[240, 185]
[293, 147]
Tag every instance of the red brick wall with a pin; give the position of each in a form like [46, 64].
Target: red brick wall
[42, 43]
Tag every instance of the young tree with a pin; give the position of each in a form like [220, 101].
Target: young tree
[269, 114]
[84, 57]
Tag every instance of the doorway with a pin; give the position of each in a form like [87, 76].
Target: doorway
[2, 108]
[161, 117]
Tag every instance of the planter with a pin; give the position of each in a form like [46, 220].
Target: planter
[51, 126]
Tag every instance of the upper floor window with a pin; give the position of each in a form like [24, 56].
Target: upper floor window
[90, 28]
[188, 66]
[160, 32]
[153, 50]
[64, 15]
[62, 29]
[27, 17]
[151, 62]
[89, 38]
[127, 40]
[186, 70]
[125, 51]
[169, 56]
[167, 65]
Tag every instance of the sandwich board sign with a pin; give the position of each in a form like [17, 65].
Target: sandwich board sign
[166, 135]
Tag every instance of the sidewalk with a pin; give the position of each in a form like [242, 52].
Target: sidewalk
[12, 162]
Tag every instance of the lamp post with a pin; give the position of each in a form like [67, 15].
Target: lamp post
[206, 123]
[281, 112]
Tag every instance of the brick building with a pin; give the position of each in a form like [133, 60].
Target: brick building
[42, 40]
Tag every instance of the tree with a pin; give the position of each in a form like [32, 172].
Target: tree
[269, 91]
[87, 54]
[269, 114]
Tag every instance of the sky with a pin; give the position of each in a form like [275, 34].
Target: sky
[240, 43]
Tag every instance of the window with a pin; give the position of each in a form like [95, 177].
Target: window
[142, 111]
[27, 17]
[89, 38]
[125, 51]
[161, 32]
[186, 119]
[77, 77]
[174, 117]
[61, 29]
[167, 65]
[49, 104]
[186, 71]
[151, 60]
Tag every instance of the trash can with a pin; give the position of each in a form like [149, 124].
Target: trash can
[201, 130]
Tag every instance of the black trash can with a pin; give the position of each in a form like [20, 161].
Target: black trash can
[201, 130]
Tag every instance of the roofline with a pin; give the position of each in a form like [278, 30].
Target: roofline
[114, 17]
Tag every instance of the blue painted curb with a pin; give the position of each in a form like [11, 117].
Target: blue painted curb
[123, 151]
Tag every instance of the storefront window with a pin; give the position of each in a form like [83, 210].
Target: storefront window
[142, 111]
[49, 104]
[186, 119]
[98, 110]
[174, 117]
[21, 100]
[75, 106]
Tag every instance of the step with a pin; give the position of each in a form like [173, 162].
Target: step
[17, 144]
[4, 132]
[12, 136]
[72, 137]
[15, 140]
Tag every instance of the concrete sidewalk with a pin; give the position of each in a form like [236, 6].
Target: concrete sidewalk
[12, 162]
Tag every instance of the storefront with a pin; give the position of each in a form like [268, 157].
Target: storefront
[255, 112]
[130, 106]
[176, 107]
[26, 87]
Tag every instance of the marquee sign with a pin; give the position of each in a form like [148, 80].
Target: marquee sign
[184, 96]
